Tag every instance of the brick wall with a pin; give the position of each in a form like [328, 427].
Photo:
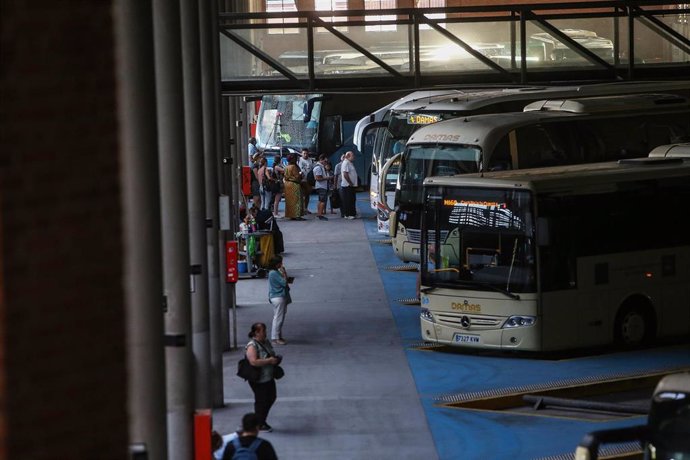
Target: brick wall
[62, 350]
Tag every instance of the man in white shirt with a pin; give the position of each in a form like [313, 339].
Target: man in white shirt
[253, 151]
[337, 177]
[348, 183]
[322, 178]
[305, 164]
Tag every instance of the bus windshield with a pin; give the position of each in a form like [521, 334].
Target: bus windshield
[281, 122]
[422, 161]
[479, 239]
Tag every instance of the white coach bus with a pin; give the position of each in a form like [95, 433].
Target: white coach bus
[388, 129]
[557, 258]
[547, 133]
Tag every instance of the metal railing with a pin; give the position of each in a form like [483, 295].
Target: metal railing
[414, 48]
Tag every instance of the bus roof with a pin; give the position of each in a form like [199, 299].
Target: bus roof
[480, 129]
[597, 104]
[488, 129]
[379, 114]
[681, 150]
[572, 179]
[473, 99]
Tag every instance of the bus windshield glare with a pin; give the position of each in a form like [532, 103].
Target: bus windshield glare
[281, 122]
[479, 239]
[422, 161]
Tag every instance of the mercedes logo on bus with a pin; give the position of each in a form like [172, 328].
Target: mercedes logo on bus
[465, 321]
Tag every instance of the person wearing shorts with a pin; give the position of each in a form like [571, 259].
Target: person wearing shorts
[322, 177]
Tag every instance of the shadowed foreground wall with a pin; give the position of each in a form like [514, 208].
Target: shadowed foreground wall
[62, 349]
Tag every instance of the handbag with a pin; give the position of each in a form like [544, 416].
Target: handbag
[278, 372]
[273, 186]
[247, 371]
[335, 199]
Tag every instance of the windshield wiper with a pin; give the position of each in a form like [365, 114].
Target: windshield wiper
[492, 287]
[501, 290]
[454, 285]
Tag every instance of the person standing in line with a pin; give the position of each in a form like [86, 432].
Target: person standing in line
[248, 438]
[348, 184]
[293, 190]
[264, 178]
[331, 185]
[278, 172]
[305, 164]
[337, 177]
[253, 151]
[260, 354]
[322, 178]
[279, 297]
[256, 183]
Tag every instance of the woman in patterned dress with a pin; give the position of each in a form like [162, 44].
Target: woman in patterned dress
[293, 193]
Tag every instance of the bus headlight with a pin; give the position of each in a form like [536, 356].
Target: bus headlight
[426, 315]
[520, 321]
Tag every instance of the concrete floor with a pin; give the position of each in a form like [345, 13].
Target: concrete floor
[348, 392]
[358, 386]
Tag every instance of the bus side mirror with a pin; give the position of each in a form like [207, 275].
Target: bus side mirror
[332, 133]
[543, 232]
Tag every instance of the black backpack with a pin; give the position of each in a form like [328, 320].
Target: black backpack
[245, 453]
[311, 180]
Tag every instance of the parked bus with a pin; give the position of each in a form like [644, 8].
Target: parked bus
[388, 129]
[322, 123]
[664, 436]
[551, 132]
[382, 142]
[557, 258]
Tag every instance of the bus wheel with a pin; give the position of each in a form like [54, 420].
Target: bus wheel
[634, 326]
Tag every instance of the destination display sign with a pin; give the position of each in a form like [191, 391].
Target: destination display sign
[422, 119]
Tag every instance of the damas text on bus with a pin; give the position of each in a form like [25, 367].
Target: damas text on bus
[442, 137]
[466, 306]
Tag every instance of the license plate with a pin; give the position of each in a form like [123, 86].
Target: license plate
[467, 338]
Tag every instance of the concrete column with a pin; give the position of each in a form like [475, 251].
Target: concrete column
[210, 90]
[143, 278]
[201, 340]
[176, 279]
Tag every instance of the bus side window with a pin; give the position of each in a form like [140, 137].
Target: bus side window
[500, 159]
[540, 146]
[591, 148]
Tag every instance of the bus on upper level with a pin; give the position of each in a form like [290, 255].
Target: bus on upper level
[557, 258]
[550, 132]
[388, 129]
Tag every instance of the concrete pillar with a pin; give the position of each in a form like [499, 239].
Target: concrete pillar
[210, 90]
[143, 279]
[176, 276]
[196, 196]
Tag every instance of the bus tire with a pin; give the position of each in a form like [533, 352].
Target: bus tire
[635, 324]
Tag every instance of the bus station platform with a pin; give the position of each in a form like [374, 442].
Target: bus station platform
[361, 384]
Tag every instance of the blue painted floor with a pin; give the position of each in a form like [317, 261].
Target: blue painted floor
[475, 434]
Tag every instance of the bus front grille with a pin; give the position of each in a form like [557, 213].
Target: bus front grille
[415, 236]
[476, 322]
